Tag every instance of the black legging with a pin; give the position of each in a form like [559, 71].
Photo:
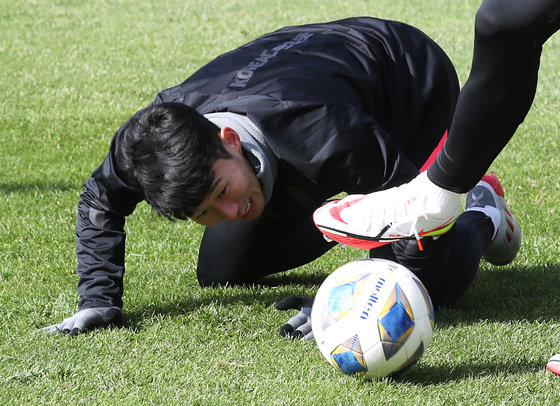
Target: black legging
[448, 265]
[498, 94]
[261, 247]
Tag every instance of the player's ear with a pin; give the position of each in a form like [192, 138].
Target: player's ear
[230, 137]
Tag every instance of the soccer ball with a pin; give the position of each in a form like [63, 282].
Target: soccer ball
[372, 317]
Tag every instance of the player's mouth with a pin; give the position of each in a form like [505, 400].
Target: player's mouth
[249, 209]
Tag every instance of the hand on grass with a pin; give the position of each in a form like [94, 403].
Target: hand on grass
[298, 326]
[85, 320]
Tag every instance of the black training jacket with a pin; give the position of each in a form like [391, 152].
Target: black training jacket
[340, 104]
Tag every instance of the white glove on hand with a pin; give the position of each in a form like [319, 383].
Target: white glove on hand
[298, 326]
[85, 320]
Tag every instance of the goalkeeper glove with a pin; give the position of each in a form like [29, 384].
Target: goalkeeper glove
[298, 326]
[85, 320]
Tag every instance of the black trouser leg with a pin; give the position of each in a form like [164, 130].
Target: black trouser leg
[500, 89]
[245, 251]
[448, 265]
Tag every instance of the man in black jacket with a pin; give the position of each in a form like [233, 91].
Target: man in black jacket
[266, 134]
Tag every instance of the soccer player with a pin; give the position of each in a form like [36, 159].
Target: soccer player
[495, 99]
[259, 138]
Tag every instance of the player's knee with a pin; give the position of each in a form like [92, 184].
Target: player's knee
[218, 277]
[488, 23]
[494, 23]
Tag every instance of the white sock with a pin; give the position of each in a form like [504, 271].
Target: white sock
[433, 190]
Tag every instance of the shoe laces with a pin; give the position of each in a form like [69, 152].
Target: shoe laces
[418, 210]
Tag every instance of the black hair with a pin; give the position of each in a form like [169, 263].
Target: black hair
[167, 152]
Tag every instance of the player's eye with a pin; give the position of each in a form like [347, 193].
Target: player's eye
[223, 192]
[200, 215]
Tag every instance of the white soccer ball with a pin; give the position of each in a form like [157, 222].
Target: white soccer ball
[372, 317]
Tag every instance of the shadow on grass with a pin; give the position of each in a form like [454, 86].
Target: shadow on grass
[498, 294]
[26, 187]
[294, 279]
[506, 294]
[265, 293]
[443, 374]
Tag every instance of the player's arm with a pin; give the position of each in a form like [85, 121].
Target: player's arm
[100, 247]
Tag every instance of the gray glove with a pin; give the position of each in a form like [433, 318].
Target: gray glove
[85, 320]
[298, 326]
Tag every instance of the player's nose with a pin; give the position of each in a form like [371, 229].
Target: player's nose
[228, 210]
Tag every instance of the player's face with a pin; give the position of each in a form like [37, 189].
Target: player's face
[236, 193]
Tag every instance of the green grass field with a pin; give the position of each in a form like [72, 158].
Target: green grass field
[72, 72]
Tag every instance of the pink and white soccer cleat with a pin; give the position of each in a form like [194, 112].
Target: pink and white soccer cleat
[506, 241]
[414, 210]
[553, 364]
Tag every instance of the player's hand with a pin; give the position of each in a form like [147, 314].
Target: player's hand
[298, 326]
[85, 320]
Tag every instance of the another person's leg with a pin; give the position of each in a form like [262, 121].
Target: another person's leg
[498, 93]
[500, 89]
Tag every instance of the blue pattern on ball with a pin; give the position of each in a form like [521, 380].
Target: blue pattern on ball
[397, 322]
[341, 298]
[348, 363]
